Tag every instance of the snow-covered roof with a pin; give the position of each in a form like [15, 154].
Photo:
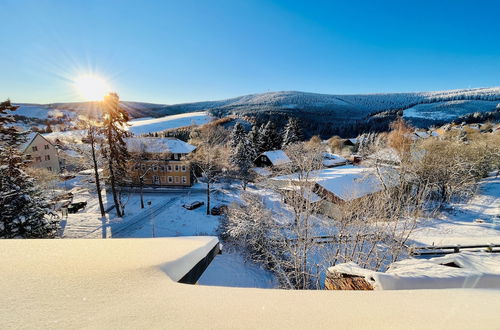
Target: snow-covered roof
[425, 134]
[277, 157]
[468, 270]
[158, 145]
[306, 193]
[29, 139]
[348, 182]
[332, 159]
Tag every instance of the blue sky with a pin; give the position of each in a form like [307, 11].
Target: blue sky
[183, 51]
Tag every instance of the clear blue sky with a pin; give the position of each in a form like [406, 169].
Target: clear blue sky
[183, 50]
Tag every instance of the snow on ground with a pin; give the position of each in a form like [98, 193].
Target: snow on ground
[144, 126]
[474, 222]
[231, 269]
[164, 216]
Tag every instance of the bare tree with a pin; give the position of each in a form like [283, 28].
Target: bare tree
[211, 155]
[93, 139]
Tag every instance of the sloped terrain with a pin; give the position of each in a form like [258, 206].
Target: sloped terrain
[323, 114]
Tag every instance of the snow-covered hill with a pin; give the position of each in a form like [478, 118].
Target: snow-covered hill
[449, 110]
[322, 114]
[143, 126]
[292, 101]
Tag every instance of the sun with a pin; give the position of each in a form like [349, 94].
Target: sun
[91, 87]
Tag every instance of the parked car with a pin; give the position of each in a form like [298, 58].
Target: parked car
[218, 209]
[75, 207]
[193, 205]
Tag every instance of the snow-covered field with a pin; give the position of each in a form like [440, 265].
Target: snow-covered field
[474, 222]
[144, 126]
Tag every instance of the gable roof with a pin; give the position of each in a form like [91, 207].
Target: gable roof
[277, 157]
[158, 145]
[333, 159]
[347, 182]
[29, 140]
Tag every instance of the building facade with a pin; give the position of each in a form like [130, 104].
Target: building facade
[40, 153]
[159, 162]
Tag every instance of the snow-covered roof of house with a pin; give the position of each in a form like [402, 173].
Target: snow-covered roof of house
[306, 193]
[467, 270]
[348, 182]
[29, 139]
[277, 157]
[457, 270]
[332, 159]
[158, 145]
[425, 134]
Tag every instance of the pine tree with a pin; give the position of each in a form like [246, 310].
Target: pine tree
[242, 158]
[269, 137]
[292, 133]
[115, 151]
[237, 135]
[23, 208]
[254, 138]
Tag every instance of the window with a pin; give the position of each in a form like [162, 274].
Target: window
[170, 180]
[136, 167]
[49, 168]
[156, 179]
[177, 168]
[47, 157]
[176, 179]
[155, 168]
[38, 159]
[162, 168]
[143, 167]
[34, 148]
[184, 179]
[46, 147]
[176, 156]
[28, 156]
[170, 168]
[183, 168]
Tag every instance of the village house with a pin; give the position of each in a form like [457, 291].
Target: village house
[159, 161]
[274, 158]
[337, 185]
[40, 153]
[332, 160]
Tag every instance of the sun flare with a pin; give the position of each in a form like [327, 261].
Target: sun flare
[91, 87]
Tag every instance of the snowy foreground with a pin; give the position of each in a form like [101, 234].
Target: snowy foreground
[475, 222]
[130, 283]
[164, 216]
